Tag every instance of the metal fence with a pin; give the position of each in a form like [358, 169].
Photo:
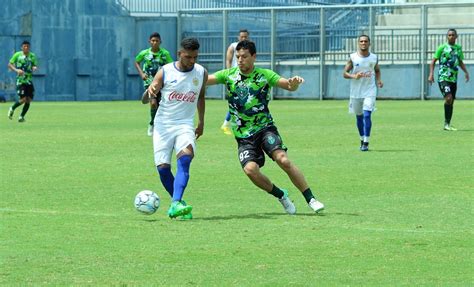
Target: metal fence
[326, 35]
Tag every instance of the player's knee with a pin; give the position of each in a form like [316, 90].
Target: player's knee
[251, 169]
[283, 161]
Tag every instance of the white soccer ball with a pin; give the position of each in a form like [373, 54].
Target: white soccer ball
[147, 202]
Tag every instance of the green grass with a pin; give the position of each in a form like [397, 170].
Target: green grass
[400, 214]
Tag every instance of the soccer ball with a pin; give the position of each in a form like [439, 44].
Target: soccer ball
[147, 202]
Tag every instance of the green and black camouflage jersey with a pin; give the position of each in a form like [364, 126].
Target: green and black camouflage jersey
[449, 57]
[152, 62]
[25, 63]
[248, 97]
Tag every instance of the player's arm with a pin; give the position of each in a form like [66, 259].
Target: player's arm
[347, 71]
[432, 65]
[463, 67]
[140, 71]
[378, 75]
[35, 64]
[290, 84]
[211, 80]
[201, 107]
[154, 88]
[12, 67]
[228, 57]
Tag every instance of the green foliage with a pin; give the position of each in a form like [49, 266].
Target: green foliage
[400, 214]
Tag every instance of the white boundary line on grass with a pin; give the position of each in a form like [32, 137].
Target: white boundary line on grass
[99, 214]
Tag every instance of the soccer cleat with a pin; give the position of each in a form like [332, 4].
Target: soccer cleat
[448, 127]
[288, 205]
[177, 208]
[10, 113]
[188, 216]
[315, 205]
[21, 119]
[150, 130]
[364, 146]
[226, 129]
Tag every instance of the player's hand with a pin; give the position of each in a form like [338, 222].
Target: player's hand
[148, 94]
[199, 130]
[294, 82]
[430, 79]
[358, 75]
[466, 75]
[144, 77]
[20, 72]
[380, 84]
[34, 68]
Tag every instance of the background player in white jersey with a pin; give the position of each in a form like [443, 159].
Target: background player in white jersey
[231, 61]
[182, 91]
[364, 72]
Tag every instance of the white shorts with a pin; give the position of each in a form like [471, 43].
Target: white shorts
[165, 139]
[359, 105]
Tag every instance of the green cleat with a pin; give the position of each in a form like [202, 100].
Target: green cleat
[177, 208]
[188, 216]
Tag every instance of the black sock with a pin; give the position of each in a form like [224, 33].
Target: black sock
[16, 105]
[152, 114]
[277, 192]
[308, 195]
[448, 113]
[26, 106]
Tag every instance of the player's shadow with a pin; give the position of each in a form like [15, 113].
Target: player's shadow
[393, 150]
[268, 215]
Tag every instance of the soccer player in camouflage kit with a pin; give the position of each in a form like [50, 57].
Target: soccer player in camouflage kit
[153, 59]
[248, 93]
[23, 63]
[450, 56]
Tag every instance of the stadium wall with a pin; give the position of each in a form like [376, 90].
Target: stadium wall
[85, 49]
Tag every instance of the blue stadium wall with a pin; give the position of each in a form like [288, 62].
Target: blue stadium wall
[86, 48]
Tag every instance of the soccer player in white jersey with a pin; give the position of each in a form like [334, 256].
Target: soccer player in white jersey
[182, 90]
[231, 61]
[364, 72]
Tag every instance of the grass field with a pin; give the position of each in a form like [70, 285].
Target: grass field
[401, 214]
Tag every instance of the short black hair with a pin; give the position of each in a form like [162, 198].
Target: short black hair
[363, 35]
[247, 45]
[244, 31]
[452, 30]
[155, 35]
[190, 44]
[25, 43]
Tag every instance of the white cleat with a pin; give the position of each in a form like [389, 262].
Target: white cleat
[150, 131]
[315, 205]
[288, 205]
[10, 113]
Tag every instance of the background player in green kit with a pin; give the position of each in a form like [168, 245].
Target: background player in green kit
[23, 63]
[152, 59]
[248, 94]
[450, 56]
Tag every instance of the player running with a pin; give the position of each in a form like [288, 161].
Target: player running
[364, 72]
[152, 58]
[252, 124]
[23, 63]
[450, 56]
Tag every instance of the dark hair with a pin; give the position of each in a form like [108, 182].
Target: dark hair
[452, 30]
[155, 35]
[244, 31]
[247, 45]
[25, 43]
[190, 44]
[363, 35]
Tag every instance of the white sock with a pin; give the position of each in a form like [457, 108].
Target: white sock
[366, 139]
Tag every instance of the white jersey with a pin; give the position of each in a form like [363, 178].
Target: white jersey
[234, 54]
[179, 95]
[363, 87]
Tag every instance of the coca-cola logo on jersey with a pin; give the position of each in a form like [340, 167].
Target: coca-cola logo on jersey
[183, 97]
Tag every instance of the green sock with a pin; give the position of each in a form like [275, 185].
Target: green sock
[16, 105]
[308, 195]
[152, 114]
[277, 192]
